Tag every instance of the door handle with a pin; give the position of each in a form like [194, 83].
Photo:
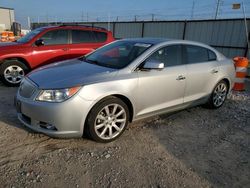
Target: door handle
[181, 77]
[214, 71]
[65, 49]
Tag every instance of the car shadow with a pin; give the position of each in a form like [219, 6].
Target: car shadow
[214, 144]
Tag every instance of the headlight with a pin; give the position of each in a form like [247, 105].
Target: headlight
[58, 95]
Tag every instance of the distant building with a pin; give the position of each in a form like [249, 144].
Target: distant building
[7, 17]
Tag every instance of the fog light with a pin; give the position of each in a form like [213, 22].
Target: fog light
[47, 126]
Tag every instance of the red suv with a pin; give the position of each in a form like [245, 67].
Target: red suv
[47, 45]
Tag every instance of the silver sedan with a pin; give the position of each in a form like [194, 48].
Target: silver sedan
[127, 80]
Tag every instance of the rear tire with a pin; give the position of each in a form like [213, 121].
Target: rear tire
[107, 120]
[218, 96]
[12, 72]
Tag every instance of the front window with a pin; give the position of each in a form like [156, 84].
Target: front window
[169, 55]
[118, 54]
[30, 35]
[55, 37]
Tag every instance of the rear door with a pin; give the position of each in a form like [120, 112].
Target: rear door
[85, 41]
[161, 89]
[202, 72]
[55, 48]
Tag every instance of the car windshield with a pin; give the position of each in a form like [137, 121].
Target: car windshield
[118, 54]
[30, 35]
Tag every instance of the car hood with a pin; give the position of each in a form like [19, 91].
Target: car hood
[7, 44]
[69, 74]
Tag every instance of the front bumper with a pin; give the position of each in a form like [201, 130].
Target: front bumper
[67, 117]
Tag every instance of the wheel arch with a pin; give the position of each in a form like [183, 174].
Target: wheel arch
[227, 82]
[123, 98]
[128, 103]
[21, 59]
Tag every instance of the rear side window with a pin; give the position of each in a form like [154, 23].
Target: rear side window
[81, 36]
[170, 55]
[100, 36]
[196, 54]
[55, 37]
[211, 56]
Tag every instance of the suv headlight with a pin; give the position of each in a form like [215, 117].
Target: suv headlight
[57, 95]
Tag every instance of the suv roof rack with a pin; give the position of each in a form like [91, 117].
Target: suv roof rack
[78, 24]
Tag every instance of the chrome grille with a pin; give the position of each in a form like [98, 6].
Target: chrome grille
[27, 88]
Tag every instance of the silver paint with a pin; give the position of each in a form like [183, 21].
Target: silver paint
[150, 92]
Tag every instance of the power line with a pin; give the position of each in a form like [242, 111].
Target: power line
[205, 11]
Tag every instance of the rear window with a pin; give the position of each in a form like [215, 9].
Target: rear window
[81, 36]
[211, 55]
[100, 36]
[198, 54]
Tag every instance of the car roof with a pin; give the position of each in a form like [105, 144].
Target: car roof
[156, 41]
[148, 40]
[75, 27]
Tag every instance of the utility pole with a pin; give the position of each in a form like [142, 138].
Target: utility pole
[192, 11]
[237, 6]
[246, 27]
[28, 19]
[47, 18]
[87, 17]
[55, 20]
[82, 16]
[109, 21]
[153, 17]
[135, 18]
[117, 19]
[217, 9]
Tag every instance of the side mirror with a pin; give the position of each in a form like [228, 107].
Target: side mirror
[39, 42]
[153, 64]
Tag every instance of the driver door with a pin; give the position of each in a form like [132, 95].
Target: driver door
[55, 48]
[161, 89]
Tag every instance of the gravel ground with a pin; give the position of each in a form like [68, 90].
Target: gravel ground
[197, 147]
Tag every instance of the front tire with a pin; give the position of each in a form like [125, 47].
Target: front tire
[107, 120]
[219, 95]
[12, 72]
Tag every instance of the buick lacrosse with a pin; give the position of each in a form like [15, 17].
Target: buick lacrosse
[127, 80]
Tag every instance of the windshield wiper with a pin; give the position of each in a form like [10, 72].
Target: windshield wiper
[95, 62]
[91, 61]
[83, 58]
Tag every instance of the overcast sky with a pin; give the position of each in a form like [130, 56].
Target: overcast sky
[103, 10]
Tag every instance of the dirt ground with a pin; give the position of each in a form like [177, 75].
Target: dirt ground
[197, 147]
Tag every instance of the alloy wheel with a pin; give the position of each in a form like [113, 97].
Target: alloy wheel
[219, 94]
[13, 74]
[110, 121]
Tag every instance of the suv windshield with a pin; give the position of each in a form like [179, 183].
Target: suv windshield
[30, 35]
[118, 54]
